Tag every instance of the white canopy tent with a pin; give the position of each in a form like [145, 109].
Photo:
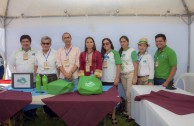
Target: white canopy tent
[100, 18]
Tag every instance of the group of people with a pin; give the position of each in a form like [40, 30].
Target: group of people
[109, 65]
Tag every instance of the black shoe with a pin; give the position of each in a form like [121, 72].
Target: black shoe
[129, 119]
[114, 122]
[124, 114]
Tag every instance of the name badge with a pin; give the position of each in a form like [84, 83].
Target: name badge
[67, 64]
[46, 65]
[25, 56]
[87, 68]
[156, 63]
[105, 64]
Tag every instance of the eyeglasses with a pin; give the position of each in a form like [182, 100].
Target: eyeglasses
[45, 43]
[106, 43]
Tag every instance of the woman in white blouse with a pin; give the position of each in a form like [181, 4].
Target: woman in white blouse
[146, 64]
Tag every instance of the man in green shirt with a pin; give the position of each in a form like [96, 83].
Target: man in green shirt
[165, 62]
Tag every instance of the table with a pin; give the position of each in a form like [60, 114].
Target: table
[76, 109]
[82, 110]
[147, 113]
[11, 102]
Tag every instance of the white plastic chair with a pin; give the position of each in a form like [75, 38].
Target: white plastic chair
[187, 80]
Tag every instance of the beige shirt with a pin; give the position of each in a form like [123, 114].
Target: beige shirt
[72, 54]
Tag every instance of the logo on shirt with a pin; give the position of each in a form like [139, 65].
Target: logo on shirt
[123, 55]
[33, 54]
[163, 56]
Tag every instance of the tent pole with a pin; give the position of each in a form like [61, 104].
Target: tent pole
[5, 37]
[189, 40]
[189, 32]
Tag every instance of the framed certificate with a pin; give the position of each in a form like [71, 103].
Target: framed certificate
[22, 80]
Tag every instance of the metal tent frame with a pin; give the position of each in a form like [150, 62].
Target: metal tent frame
[187, 18]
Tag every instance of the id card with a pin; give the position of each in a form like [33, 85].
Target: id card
[156, 63]
[46, 65]
[67, 63]
[25, 56]
[105, 64]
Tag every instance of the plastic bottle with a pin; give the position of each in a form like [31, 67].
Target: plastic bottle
[38, 82]
[45, 82]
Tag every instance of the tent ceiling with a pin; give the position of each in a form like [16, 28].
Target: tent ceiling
[16, 8]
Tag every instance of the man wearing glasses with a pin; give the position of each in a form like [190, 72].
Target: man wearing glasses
[68, 60]
[45, 60]
[45, 64]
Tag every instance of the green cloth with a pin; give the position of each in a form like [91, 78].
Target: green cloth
[134, 56]
[59, 87]
[117, 57]
[89, 85]
[166, 60]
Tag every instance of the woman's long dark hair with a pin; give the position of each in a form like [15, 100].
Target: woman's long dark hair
[103, 51]
[122, 37]
[94, 47]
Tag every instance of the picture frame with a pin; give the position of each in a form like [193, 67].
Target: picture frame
[22, 80]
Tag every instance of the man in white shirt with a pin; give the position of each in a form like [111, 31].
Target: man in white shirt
[23, 61]
[45, 60]
[45, 64]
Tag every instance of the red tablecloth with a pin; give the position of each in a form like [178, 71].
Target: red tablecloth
[80, 110]
[180, 104]
[11, 102]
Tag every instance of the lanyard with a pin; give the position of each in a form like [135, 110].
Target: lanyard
[67, 52]
[139, 58]
[106, 55]
[87, 55]
[46, 57]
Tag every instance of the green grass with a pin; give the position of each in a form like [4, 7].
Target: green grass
[43, 120]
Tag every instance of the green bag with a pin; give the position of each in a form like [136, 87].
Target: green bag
[89, 85]
[59, 87]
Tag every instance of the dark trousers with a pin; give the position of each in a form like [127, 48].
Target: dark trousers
[30, 114]
[51, 77]
[1, 71]
[47, 110]
[160, 81]
[107, 83]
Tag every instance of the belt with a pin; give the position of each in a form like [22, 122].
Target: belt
[126, 73]
[143, 76]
